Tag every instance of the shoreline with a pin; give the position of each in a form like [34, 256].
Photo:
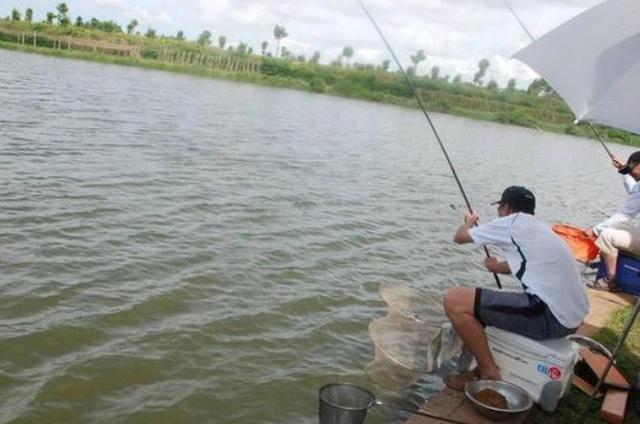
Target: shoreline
[436, 99]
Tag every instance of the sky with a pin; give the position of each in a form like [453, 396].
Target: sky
[455, 34]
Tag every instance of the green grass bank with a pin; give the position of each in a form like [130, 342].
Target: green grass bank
[576, 403]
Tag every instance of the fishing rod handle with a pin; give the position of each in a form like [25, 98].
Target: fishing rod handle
[495, 275]
[486, 252]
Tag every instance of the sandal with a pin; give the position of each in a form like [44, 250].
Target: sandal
[606, 283]
[457, 381]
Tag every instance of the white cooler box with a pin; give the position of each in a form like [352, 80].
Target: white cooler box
[533, 364]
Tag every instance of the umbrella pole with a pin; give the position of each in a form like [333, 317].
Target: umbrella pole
[615, 352]
[600, 140]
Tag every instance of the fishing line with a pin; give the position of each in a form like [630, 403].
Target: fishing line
[515, 15]
[426, 114]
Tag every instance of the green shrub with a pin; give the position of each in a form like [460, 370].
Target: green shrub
[516, 117]
[317, 85]
[571, 129]
[149, 53]
[439, 105]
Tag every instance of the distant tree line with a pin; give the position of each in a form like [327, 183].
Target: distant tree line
[61, 18]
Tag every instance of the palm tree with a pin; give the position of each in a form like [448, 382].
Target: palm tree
[131, 27]
[417, 58]
[435, 72]
[204, 39]
[279, 33]
[151, 33]
[482, 70]
[28, 15]
[347, 52]
[264, 46]
[242, 49]
[15, 14]
[222, 40]
[63, 9]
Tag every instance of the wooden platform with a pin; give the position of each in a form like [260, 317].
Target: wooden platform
[453, 405]
[602, 306]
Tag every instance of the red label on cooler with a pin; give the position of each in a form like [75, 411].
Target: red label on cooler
[555, 373]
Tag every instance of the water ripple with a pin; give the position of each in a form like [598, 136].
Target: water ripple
[177, 249]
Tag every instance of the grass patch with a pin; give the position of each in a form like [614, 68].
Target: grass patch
[571, 408]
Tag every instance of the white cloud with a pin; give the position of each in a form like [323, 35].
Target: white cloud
[113, 4]
[145, 17]
[209, 10]
[130, 9]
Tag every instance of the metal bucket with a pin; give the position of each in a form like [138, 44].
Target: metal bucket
[342, 403]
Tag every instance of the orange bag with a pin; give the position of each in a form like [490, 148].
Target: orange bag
[582, 246]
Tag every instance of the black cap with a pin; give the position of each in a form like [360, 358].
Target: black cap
[633, 160]
[519, 198]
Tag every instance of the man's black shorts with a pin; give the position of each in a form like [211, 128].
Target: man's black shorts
[519, 313]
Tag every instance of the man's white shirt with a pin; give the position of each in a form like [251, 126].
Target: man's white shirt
[629, 211]
[541, 261]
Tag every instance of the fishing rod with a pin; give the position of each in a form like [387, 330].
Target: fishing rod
[531, 37]
[426, 114]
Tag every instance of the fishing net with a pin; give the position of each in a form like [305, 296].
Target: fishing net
[414, 337]
[407, 303]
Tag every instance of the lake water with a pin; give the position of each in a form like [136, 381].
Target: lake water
[177, 249]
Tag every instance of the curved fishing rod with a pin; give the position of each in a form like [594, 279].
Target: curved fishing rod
[426, 114]
[515, 15]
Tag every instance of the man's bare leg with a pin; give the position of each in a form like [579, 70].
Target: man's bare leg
[458, 305]
[610, 263]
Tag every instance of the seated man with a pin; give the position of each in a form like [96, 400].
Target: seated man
[553, 302]
[619, 231]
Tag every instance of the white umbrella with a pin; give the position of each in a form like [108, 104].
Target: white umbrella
[593, 63]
